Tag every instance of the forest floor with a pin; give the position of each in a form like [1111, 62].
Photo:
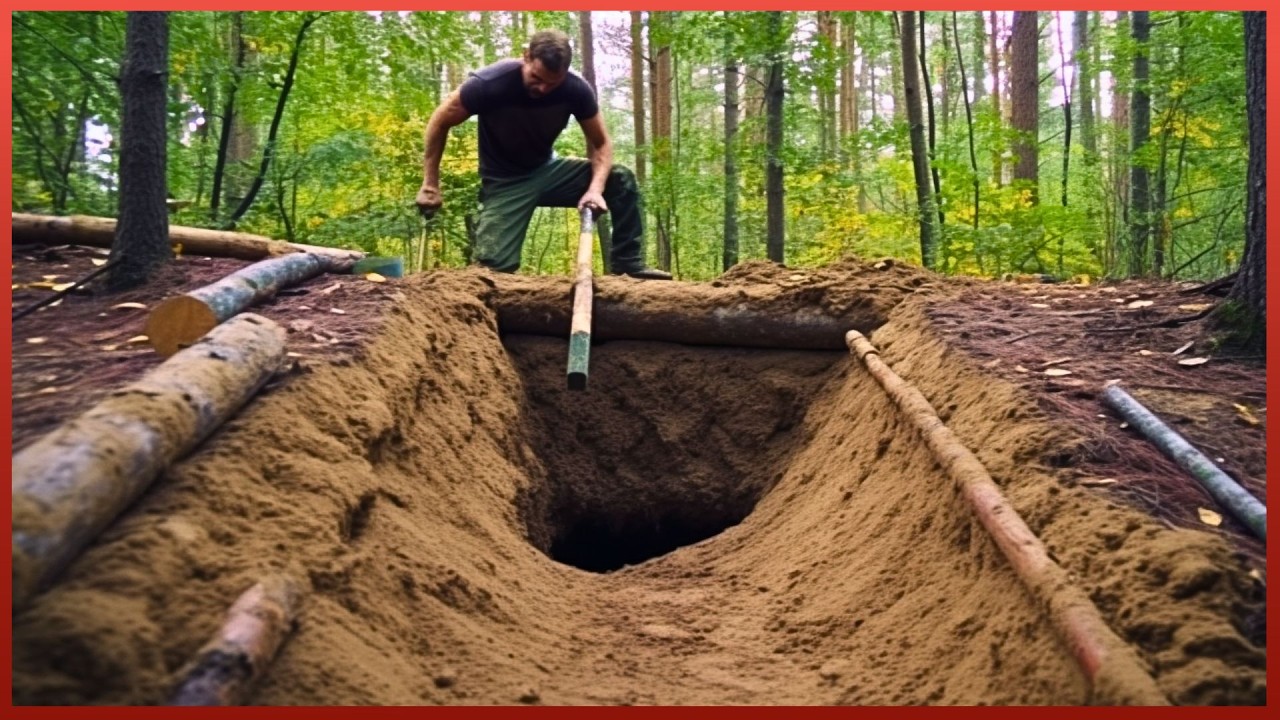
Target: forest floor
[747, 526]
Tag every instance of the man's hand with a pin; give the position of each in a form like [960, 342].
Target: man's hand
[429, 200]
[595, 200]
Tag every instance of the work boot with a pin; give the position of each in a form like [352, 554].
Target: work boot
[643, 273]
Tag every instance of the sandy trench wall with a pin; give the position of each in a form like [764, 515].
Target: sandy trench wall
[401, 488]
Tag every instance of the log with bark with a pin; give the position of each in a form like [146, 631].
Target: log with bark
[627, 309]
[70, 484]
[1115, 672]
[100, 232]
[1239, 502]
[226, 668]
[179, 321]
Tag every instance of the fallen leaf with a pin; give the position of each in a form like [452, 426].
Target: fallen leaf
[177, 250]
[1243, 410]
[62, 286]
[1184, 348]
[98, 262]
[137, 339]
[1195, 307]
[304, 307]
[50, 277]
[374, 277]
[1020, 369]
[331, 288]
[1096, 482]
[337, 311]
[1209, 517]
[129, 306]
[110, 348]
[1082, 280]
[1256, 574]
[1139, 304]
[37, 340]
[1194, 361]
[880, 265]
[1124, 425]
[789, 277]
[1038, 305]
[1145, 353]
[1057, 372]
[55, 303]
[48, 390]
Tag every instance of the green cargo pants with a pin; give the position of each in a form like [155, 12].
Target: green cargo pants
[507, 206]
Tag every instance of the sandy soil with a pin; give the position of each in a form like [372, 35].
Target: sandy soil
[703, 526]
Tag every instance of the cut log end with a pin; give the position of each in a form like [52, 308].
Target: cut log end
[178, 323]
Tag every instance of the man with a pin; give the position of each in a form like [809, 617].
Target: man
[523, 105]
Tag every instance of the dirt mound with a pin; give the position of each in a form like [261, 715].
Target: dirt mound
[458, 517]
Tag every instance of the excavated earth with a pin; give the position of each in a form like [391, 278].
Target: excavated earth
[704, 525]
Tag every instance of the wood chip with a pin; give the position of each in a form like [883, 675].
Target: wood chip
[62, 286]
[98, 262]
[1038, 305]
[374, 277]
[137, 339]
[1139, 304]
[337, 311]
[333, 287]
[304, 307]
[1059, 361]
[1195, 307]
[48, 390]
[1184, 348]
[50, 277]
[1209, 517]
[1145, 353]
[37, 340]
[1194, 361]
[1020, 369]
[1098, 482]
[129, 306]
[1057, 372]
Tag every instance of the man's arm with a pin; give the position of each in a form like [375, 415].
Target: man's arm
[600, 153]
[450, 113]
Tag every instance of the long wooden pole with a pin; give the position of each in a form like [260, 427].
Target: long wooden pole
[72, 483]
[1242, 504]
[580, 326]
[1115, 672]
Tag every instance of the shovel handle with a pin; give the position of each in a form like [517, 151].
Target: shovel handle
[580, 327]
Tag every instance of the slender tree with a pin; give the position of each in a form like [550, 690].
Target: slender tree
[637, 91]
[1140, 132]
[919, 150]
[774, 191]
[730, 255]
[968, 113]
[142, 233]
[1084, 84]
[1024, 74]
[997, 160]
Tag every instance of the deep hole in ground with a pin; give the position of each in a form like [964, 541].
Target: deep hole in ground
[669, 445]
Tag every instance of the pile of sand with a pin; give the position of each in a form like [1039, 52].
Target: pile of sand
[421, 490]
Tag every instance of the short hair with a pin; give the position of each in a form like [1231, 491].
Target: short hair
[552, 48]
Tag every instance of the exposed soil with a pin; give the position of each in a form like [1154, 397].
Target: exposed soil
[702, 526]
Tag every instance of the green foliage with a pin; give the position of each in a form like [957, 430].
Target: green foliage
[348, 158]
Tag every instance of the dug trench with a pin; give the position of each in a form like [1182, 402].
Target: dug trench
[704, 525]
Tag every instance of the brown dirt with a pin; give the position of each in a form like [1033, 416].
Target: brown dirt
[417, 474]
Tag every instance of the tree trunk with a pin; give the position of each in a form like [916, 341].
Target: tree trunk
[968, 114]
[228, 115]
[72, 483]
[919, 150]
[268, 151]
[586, 48]
[1025, 85]
[180, 321]
[776, 221]
[979, 42]
[1250, 288]
[1084, 84]
[997, 161]
[142, 236]
[660, 25]
[826, 88]
[926, 90]
[637, 91]
[1140, 131]
[850, 107]
[895, 75]
[730, 255]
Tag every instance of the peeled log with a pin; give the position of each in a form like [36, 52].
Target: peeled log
[1116, 674]
[1239, 502]
[626, 309]
[70, 484]
[180, 321]
[225, 669]
[101, 232]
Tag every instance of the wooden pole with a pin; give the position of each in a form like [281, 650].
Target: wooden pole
[70, 484]
[580, 326]
[100, 232]
[179, 321]
[226, 668]
[1240, 502]
[1115, 672]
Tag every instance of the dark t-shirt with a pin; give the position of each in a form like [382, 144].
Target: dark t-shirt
[516, 130]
